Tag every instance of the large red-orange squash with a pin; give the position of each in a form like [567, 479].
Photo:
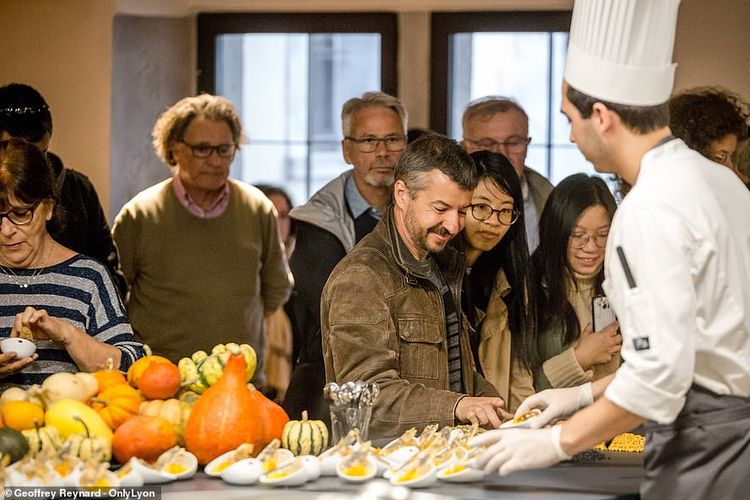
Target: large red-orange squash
[136, 369]
[229, 414]
[143, 437]
[159, 381]
[272, 414]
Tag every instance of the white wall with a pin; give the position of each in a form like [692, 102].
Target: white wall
[64, 50]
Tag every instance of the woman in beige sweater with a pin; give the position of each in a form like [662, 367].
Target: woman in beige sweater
[497, 298]
[568, 263]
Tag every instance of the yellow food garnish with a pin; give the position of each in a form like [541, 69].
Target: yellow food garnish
[408, 476]
[124, 470]
[356, 470]
[223, 465]
[269, 464]
[63, 469]
[277, 475]
[175, 468]
[454, 470]
[525, 416]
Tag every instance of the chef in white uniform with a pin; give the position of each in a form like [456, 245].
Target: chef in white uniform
[677, 272]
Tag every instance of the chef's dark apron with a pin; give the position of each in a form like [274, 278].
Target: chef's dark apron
[703, 454]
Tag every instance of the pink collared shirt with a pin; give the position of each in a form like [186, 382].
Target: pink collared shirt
[184, 198]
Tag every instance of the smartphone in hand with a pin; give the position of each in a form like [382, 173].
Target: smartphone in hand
[603, 315]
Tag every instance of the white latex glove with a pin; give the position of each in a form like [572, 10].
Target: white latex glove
[556, 404]
[518, 449]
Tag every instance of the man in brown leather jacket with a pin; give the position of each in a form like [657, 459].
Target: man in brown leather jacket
[390, 311]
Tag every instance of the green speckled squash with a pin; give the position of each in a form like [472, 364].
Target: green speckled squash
[305, 437]
[13, 444]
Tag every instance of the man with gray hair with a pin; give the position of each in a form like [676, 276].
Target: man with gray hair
[329, 225]
[501, 125]
[391, 309]
[201, 252]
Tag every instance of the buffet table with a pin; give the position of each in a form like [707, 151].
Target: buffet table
[619, 475]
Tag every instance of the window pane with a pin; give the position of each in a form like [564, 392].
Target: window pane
[279, 164]
[509, 64]
[567, 160]
[290, 88]
[560, 126]
[326, 163]
[528, 67]
[271, 89]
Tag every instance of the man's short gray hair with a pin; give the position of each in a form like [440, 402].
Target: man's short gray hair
[486, 107]
[370, 99]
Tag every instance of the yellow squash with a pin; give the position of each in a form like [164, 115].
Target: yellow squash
[74, 417]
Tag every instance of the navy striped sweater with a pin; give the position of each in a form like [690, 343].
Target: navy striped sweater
[78, 290]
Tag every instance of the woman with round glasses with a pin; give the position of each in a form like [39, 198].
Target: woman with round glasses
[66, 301]
[497, 298]
[569, 272]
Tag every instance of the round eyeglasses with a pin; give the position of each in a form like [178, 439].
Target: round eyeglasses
[513, 144]
[580, 240]
[20, 216]
[205, 150]
[505, 216]
[392, 143]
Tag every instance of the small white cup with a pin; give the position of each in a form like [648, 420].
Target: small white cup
[22, 347]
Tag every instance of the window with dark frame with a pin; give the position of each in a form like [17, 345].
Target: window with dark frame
[514, 54]
[289, 75]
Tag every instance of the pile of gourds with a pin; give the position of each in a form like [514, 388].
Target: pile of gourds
[205, 404]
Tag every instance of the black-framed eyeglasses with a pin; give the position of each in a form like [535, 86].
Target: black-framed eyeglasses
[505, 216]
[20, 216]
[580, 239]
[392, 143]
[513, 144]
[205, 150]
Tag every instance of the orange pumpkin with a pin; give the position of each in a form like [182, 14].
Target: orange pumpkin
[136, 369]
[22, 415]
[143, 437]
[159, 381]
[109, 377]
[117, 404]
[272, 414]
[229, 414]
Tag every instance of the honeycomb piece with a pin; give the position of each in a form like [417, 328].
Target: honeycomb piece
[628, 442]
[25, 333]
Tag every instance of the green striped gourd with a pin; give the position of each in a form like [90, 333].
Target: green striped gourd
[305, 437]
[200, 371]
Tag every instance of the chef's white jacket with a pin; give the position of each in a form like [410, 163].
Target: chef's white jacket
[685, 231]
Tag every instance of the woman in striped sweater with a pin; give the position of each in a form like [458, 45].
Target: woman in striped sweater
[67, 301]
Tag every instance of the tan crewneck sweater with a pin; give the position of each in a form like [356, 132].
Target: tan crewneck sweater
[561, 367]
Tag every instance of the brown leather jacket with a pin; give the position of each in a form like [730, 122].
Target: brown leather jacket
[383, 322]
